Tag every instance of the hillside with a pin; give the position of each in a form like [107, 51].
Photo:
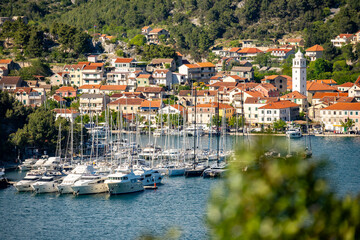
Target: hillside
[196, 24]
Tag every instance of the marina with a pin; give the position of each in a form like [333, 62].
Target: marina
[177, 202]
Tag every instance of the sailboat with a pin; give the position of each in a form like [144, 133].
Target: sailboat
[196, 171]
[308, 150]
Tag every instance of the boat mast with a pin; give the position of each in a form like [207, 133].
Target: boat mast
[195, 128]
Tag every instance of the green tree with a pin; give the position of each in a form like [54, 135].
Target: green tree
[278, 198]
[348, 124]
[138, 40]
[279, 125]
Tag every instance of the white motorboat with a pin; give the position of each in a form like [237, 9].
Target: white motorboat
[48, 183]
[90, 184]
[149, 177]
[195, 131]
[69, 180]
[52, 163]
[27, 164]
[124, 182]
[30, 178]
[293, 133]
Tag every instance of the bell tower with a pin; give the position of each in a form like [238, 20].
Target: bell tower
[299, 73]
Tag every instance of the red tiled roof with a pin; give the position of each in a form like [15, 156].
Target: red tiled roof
[318, 86]
[24, 89]
[234, 49]
[155, 103]
[58, 98]
[124, 60]
[315, 48]
[320, 95]
[178, 107]
[10, 79]
[66, 89]
[250, 50]
[346, 35]
[347, 84]
[214, 104]
[65, 111]
[344, 106]
[113, 87]
[279, 105]
[205, 64]
[293, 95]
[5, 61]
[90, 67]
[144, 76]
[150, 89]
[294, 40]
[254, 93]
[156, 30]
[90, 87]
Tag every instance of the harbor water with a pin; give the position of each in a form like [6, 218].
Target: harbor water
[179, 202]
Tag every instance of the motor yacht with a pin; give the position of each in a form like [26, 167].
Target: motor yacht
[27, 164]
[293, 133]
[124, 182]
[48, 183]
[69, 180]
[31, 177]
[90, 184]
[149, 177]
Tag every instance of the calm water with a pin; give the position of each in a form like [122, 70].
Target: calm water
[179, 202]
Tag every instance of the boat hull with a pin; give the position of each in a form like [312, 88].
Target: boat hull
[176, 172]
[194, 172]
[45, 187]
[125, 187]
[90, 189]
[23, 186]
[65, 189]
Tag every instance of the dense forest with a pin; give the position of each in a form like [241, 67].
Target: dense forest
[195, 25]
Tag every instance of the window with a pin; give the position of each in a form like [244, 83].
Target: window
[334, 112]
[351, 113]
[345, 112]
[356, 113]
[256, 108]
[268, 111]
[268, 119]
[256, 115]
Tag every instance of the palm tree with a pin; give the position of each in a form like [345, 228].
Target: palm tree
[349, 123]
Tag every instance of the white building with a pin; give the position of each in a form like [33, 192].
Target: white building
[299, 73]
[284, 110]
[162, 77]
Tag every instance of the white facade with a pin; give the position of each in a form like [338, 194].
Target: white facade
[299, 73]
[268, 116]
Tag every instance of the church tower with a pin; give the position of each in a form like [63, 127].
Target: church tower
[299, 73]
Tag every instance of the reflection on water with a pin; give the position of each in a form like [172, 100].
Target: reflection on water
[179, 202]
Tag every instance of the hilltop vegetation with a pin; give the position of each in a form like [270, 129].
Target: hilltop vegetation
[196, 24]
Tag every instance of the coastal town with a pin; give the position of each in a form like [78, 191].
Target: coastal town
[178, 86]
[181, 119]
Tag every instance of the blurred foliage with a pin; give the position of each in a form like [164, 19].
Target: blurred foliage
[278, 198]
